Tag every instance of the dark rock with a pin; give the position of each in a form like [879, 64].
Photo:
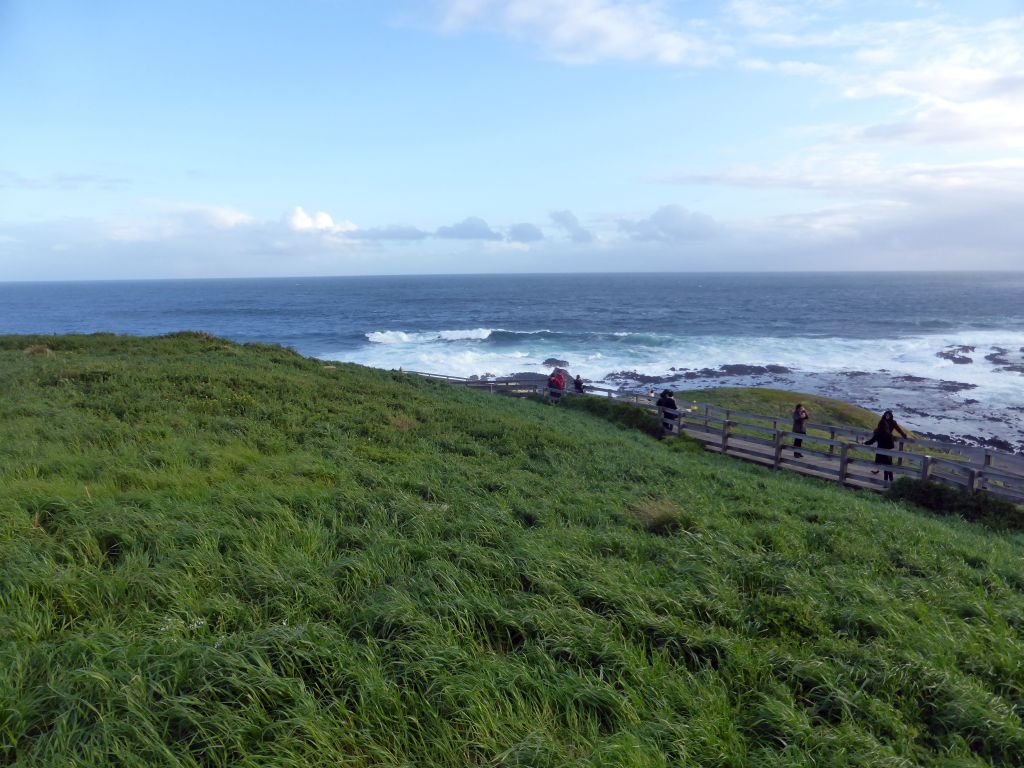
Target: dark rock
[918, 412]
[642, 378]
[991, 442]
[971, 401]
[998, 356]
[911, 379]
[955, 386]
[704, 373]
[525, 376]
[854, 374]
[954, 358]
[742, 370]
[554, 362]
[957, 354]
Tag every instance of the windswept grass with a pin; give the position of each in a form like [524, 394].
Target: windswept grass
[225, 555]
[779, 403]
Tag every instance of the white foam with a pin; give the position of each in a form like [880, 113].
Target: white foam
[428, 337]
[479, 334]
[389, 337]
[462, 353]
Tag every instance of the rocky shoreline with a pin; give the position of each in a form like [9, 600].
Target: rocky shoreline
[942, 409]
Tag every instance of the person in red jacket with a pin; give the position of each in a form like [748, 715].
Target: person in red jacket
[883, 437]
[556, 386]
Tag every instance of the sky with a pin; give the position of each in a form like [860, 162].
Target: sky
[347, 137]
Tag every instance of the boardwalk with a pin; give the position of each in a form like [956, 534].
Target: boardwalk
[829, 452]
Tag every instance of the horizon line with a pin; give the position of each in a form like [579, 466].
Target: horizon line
[518, 274]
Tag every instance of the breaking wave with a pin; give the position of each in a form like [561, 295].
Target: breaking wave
[403, 337]
[500, 352]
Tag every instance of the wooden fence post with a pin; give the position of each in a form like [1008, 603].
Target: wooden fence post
[926, 467]
[899, 460]
[777, 459]
[725, 435]
[972, 480]
[832, 448]
[844, 462]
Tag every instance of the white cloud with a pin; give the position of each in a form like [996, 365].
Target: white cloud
[586, 31]
[759, 13]
[220, 217]
[470, 228]
[169, 221]
[953, 83]
[670, 223]
[525, 233]
[567, 221]
[865, 175]
[788, 67]
[300, 221]
[390, 232]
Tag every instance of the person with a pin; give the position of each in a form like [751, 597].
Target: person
[883, 437]
[577, 384]
[556, 386]
[668, 403]
[799, 426]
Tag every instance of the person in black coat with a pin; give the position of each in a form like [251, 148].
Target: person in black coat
[882, 436]
[668, 403]
[800, 418]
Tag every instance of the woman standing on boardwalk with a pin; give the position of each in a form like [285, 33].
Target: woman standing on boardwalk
[799, 420]
[556, 386]
[883, 437]
[669, 412]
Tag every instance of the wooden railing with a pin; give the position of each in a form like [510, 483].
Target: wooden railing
[841, 456]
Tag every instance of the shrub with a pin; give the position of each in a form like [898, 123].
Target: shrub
[621, 414]
[38, 349]
[977, 507]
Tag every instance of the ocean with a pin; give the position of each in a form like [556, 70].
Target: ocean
[946, 350]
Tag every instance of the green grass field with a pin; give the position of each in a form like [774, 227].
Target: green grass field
[225, 555]
[780, 403]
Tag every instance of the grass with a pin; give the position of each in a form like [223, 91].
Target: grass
[974, 506]
[225, 555]
[779, 403]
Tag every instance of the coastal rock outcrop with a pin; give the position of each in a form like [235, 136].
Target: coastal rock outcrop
[957, 354]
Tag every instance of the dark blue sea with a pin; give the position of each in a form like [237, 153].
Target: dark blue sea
[861, 336]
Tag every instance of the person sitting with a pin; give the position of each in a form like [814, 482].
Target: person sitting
[669, 412]
[577, 384]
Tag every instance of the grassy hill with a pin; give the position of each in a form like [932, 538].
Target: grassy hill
[224, 555]
[780, 403]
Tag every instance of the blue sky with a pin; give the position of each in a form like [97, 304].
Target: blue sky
[316, 137]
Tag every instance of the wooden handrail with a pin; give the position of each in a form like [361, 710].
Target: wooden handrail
[727, 435]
